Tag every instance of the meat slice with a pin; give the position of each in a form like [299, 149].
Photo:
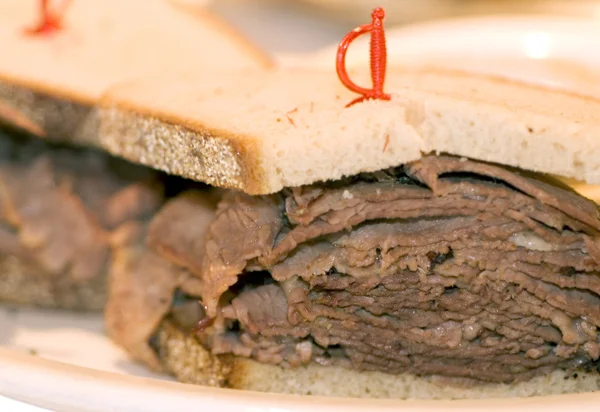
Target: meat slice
[177, 231]
[244, 228]
[429, 170]
[141, 287]
[299, 211]
[261, 309]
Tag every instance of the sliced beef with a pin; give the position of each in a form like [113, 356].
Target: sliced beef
[59, 208]
[146, 283]
[493, 199]
[444, 266]
[141, 287]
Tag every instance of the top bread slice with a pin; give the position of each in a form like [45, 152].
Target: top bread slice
[267, 130]
[52, 78]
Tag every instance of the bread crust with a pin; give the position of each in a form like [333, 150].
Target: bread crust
[179, 148]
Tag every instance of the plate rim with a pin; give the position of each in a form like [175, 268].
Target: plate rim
[23, 377]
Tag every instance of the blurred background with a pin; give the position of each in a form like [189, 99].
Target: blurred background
[305, 25]
[553, 42]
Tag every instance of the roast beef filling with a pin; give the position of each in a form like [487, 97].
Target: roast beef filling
[59, 209]
[445, 266]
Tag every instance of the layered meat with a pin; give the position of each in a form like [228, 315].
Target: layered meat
[61, 210]
[444, 266]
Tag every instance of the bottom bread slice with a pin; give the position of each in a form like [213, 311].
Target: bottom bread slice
[182, 355]
[21, 283]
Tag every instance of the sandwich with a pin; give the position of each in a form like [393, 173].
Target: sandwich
[425, 246]
[65, 206]
[423, 243]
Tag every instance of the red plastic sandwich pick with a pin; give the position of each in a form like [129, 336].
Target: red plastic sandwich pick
[51, 20]
[378, 59]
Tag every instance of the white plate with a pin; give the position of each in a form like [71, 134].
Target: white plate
[554, 51]
[76, 368]
[63, 362]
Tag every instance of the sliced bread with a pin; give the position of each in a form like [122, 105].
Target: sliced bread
[52, 79]
[266, 130]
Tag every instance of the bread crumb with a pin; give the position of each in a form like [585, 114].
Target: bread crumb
[347, 195]
[290, 117]
[387, 142]
[463, 159]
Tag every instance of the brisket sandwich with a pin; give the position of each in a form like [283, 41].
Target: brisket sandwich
[62, 209]
[426, 246]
